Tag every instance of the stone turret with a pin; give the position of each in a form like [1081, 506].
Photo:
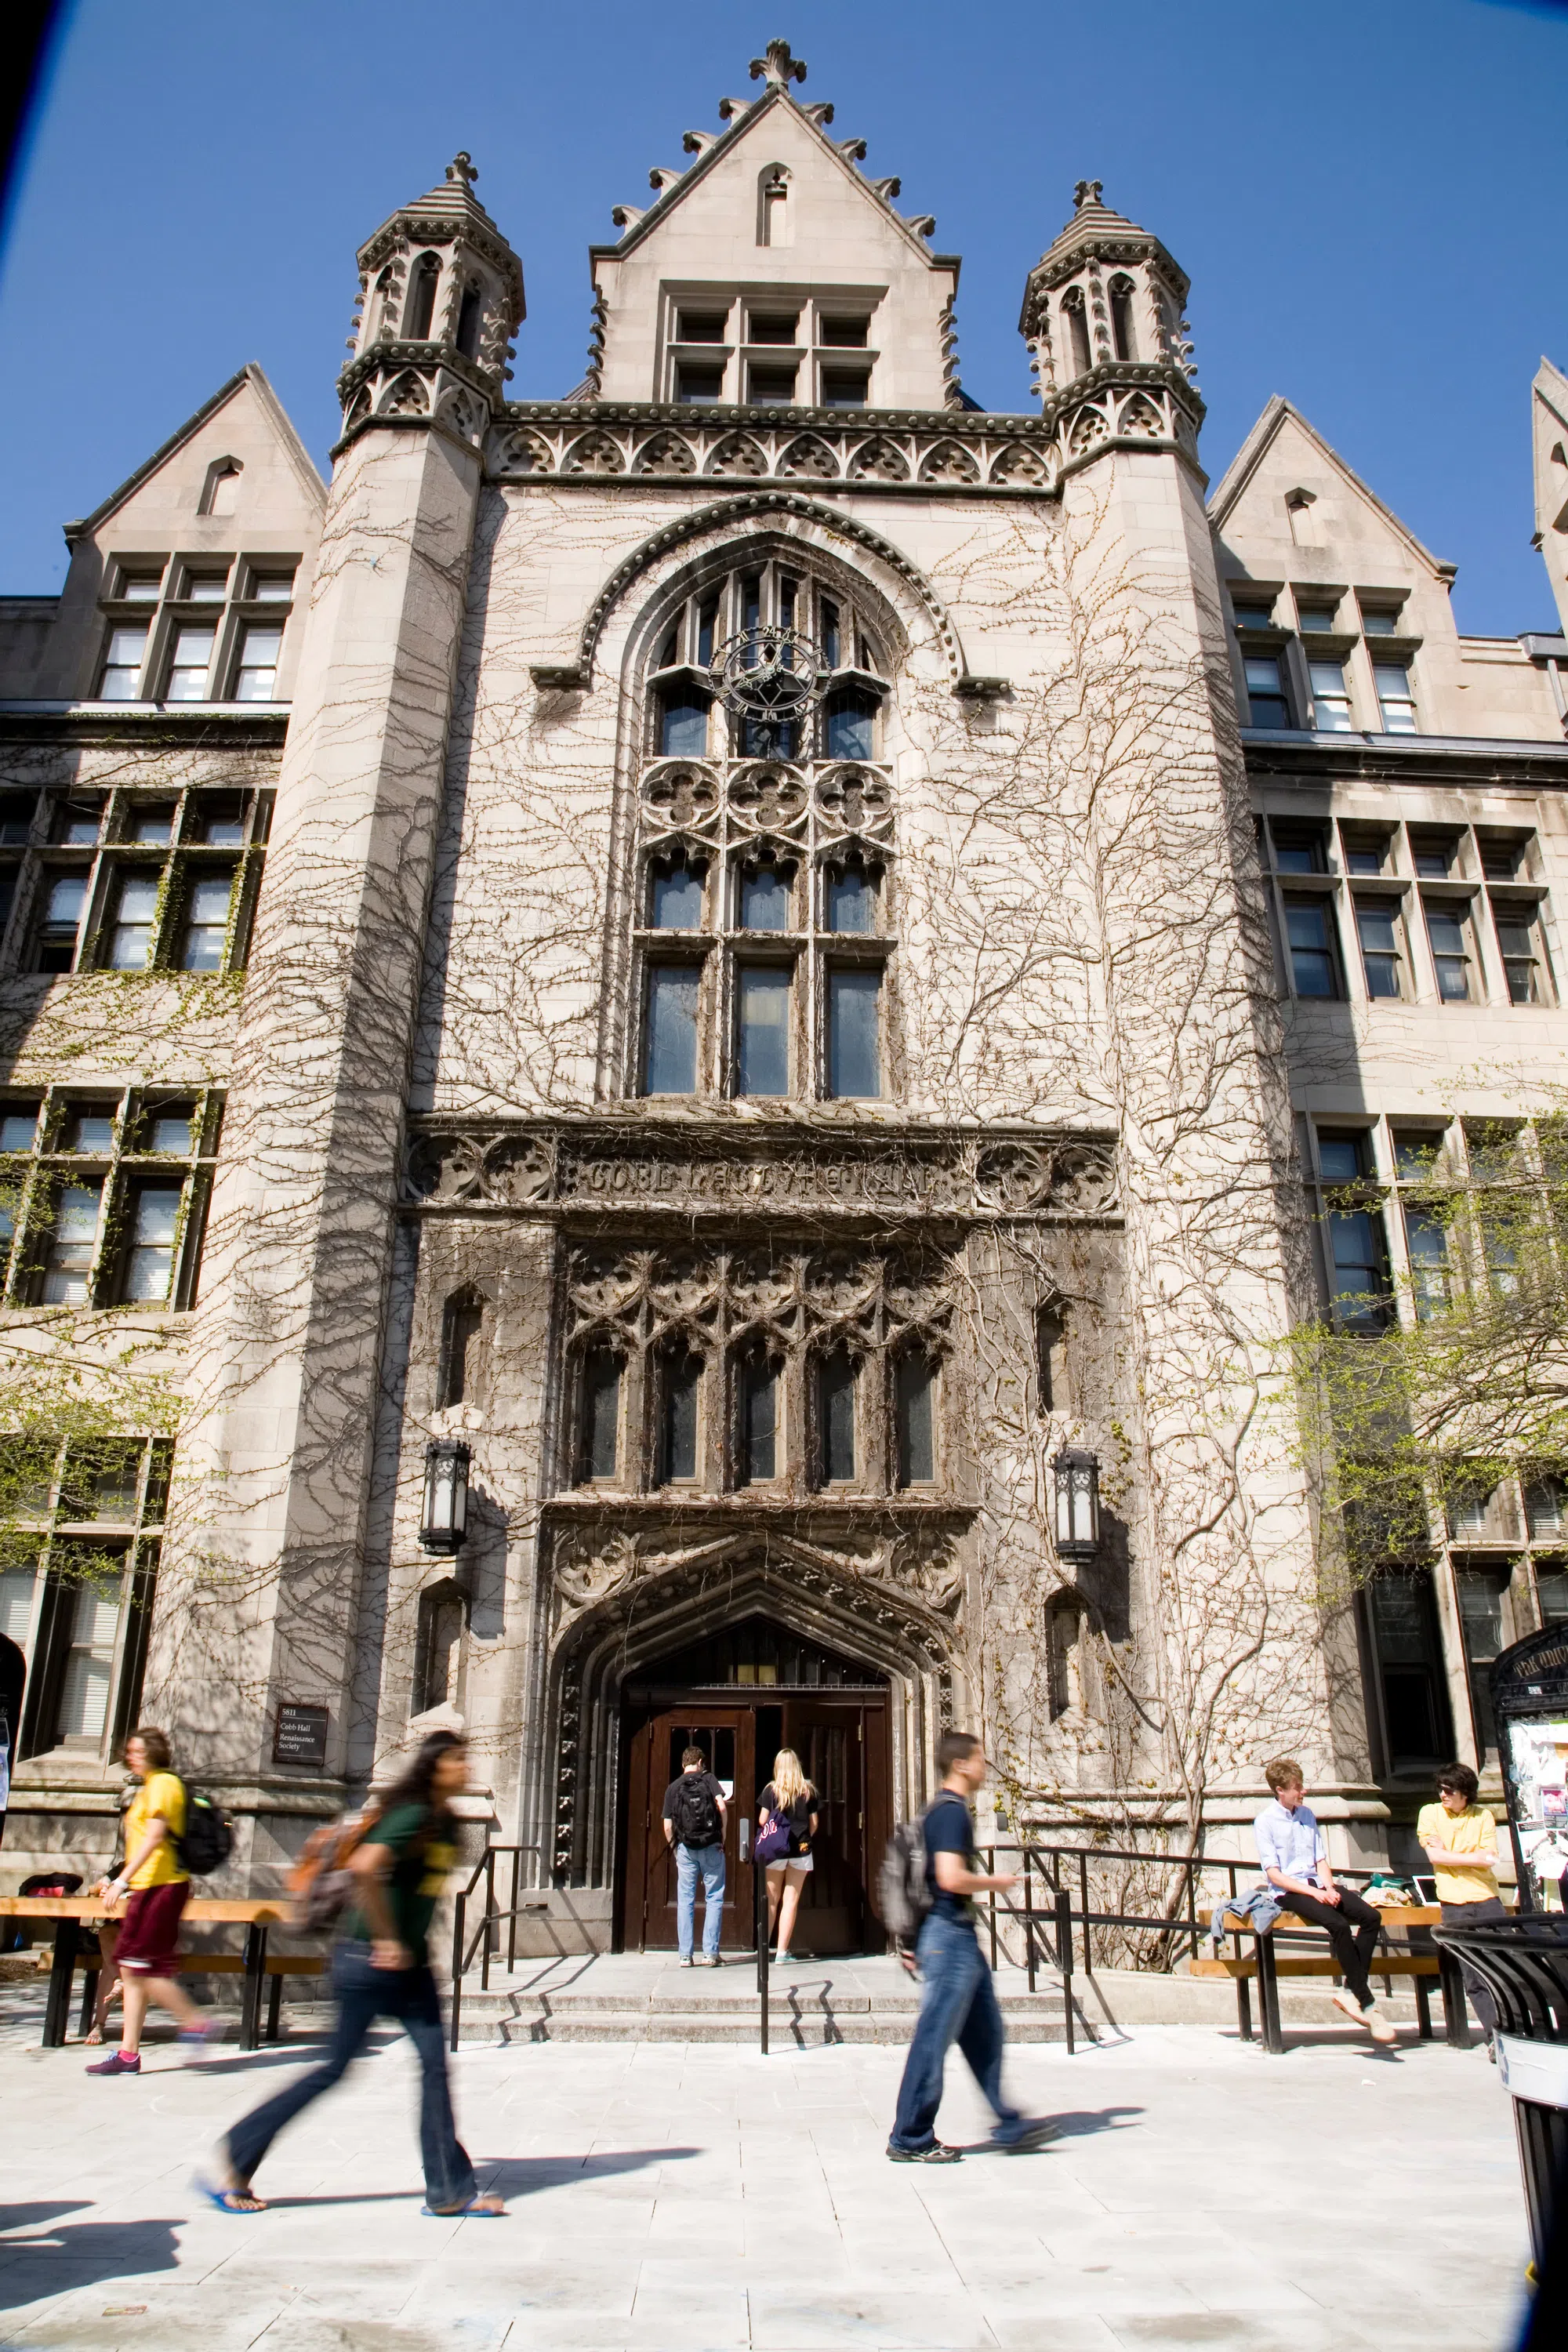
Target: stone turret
[440, 299]
[1105, 293]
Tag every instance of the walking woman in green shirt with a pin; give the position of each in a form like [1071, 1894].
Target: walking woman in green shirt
[380, 1969]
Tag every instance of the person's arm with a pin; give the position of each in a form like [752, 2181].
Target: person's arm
[370, 1864]
[954, 1876]
[668, 1830]
[1479, 1858]
[1268, 1852]
[120, 1886]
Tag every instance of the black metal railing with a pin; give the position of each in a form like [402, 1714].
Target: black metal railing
[485, 1937]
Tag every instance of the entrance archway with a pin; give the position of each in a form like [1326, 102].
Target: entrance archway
[740, 1694]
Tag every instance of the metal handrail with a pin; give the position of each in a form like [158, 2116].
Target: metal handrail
[490, 1918]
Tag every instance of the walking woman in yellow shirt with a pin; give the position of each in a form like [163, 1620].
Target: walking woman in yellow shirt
[154, 1888]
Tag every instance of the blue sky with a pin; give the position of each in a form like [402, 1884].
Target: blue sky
[1368, 197]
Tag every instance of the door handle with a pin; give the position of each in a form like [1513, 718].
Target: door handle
[745, 1838]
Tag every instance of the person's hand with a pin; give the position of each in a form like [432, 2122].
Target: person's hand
[115, 1890]
[1331, 1895]
[387, 1952]
[1006, 1882]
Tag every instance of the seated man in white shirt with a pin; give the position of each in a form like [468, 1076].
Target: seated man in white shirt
[1295, 1859]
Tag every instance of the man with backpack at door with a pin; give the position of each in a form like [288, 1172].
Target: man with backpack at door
[957, 2001]
[155, 1885]
[695, 1816]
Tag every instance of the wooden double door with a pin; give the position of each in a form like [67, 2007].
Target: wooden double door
[843, 1747]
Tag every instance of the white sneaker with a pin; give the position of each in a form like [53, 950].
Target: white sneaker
[1345, 2000]
[1378, 2026]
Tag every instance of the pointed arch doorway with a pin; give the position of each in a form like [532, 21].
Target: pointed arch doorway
[740, 1694]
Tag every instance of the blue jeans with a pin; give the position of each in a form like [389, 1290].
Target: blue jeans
[688, 1860]
[364, 1994]
[958, 2003]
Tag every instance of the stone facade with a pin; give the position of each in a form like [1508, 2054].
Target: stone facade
[735, 977]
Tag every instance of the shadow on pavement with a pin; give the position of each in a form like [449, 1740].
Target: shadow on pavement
[77, 2253]
[505, 2176]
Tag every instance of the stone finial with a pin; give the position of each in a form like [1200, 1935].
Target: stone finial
[461, 170]
[778, 68]
[1087, 192]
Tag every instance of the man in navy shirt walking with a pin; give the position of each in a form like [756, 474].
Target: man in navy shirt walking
[958, 2002]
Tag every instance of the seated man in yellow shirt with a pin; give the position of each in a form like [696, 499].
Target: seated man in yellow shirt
[1460, 1838]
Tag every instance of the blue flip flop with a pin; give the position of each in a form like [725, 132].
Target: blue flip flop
[466, 2213]
[223, 2199]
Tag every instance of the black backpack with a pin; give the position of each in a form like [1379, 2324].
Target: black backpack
[694, 1819]
[208, 1840]
[903, 1889]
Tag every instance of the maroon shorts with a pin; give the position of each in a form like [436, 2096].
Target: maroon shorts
[149, 1936]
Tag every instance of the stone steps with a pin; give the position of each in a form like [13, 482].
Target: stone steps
[806, 2009]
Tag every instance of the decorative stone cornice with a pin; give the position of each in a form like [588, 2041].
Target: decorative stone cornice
[694, 1172]
[895, 453]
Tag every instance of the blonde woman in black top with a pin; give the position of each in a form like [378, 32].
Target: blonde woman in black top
[788, 1803]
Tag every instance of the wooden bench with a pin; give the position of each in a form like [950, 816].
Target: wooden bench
[1419, 1968]
[274, 1966]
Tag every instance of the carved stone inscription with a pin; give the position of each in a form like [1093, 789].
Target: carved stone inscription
[900, 1174]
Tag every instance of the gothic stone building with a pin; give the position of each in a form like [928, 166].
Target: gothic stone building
[769, 951]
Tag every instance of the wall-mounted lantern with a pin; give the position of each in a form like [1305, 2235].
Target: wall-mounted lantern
[445, 1520]
[1078, 1504]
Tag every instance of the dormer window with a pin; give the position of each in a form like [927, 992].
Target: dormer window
[422, 299]
[1122, 334]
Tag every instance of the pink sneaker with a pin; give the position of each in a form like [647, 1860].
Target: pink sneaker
[119, 2064]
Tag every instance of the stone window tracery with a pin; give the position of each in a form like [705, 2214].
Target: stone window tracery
[745, 1366]
[762, 898]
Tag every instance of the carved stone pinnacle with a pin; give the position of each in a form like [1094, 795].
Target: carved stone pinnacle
[1087, 192]
[461, 170]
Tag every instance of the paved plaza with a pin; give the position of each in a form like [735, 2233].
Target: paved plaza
[703, 2198]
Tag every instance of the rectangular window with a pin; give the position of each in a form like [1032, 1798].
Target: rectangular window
[189, 664]
[759, 1421]
[854, 1034]
[1299, 850]
[670, 1061]
[1434, 854]
[205, 587]
[1394, 700]
[835, 1417]
[1450, 951]
[17, 1587]
[1317, 620]
[914, 1412]
[1377, 927]
[601, 1414]
[843, 334]
[1426, 1239]
[1313, 966]
[844, 388]
[122, 662]
[851, 895]
[1552, 1592]
[698, 386]
[830, 628]
[1051, 1351]
[1364, 852]
[255, 680]
[765, 898]
[207, 923]
[150, 1262]
[701, 326]
[1410, 1669]
[1519, 944]
[683, 724]
[1480, 1616]
[271, 587]
[89, 1130]
[1266, 691]
[1379, 621]
[1543, 1510]
[1358, 1269]
[88, 1663]
[153, 826]
[679, 1384]
[68, 1269]
[65, 900]
[675, 895]
[18, 1127]
[762, 1041]
[773, 387]
[849, 724]
[1331, 700]
[135, 912]
[1254, 616]
[140, 587]
[772, 325]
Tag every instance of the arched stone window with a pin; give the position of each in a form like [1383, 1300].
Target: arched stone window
[420, 315]
[1077, 321]
[773, 205]
[1064, 1664]
[1122, 338]
[462, 1341]
[438, 1647]
[765, 841]
[220, 491]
